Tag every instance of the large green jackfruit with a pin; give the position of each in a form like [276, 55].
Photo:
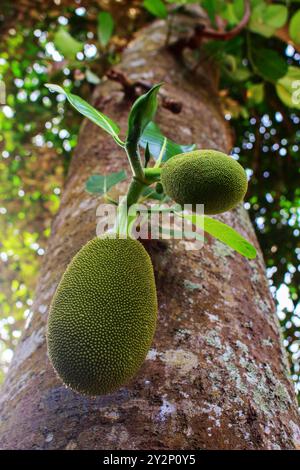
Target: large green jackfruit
[205, 177]
[103, 315]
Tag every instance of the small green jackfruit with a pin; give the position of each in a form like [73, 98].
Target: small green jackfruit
[205, 177]
[103, 315]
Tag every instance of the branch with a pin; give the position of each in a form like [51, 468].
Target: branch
[201, 31]
[226, 35]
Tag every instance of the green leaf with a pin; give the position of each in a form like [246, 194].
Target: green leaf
[257, 24]
[288, 88]
[212, 8]
[233, 12]
[256, 93]
[105, 27]
[224, 233]
[265, 19]
[155, 139]
[229, 62]
[229, 236]
[142, 112]
[234, 68]
[156, 7]
[239, 8]
[184, 2]
[268, 63]
[275, 16]
[147, 155]
[294, 27]
[66, 44]
[241, 74]
[101, 184]
[88, 111]
[151, 193]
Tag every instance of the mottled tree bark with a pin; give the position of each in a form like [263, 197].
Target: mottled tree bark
[216, 376]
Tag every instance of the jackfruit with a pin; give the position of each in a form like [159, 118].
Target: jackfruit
[103, 315]
[205, 177]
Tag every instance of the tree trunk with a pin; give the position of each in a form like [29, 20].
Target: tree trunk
[216, 376]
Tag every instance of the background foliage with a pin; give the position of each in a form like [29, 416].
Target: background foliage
[73, 44]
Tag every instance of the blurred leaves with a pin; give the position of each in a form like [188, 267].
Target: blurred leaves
[154, 139]
[141, 113]
[92, 77]
[256, 93]
[101, 184]
[107, 124]
[266, 18]
[235, 69]
[66, 44]
[268, 64]
[294, 27]
[156, 7]
[222, 232]
[105, 27]
[288, 88]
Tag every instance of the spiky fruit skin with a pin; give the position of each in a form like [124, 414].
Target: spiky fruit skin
[103, 316]
[205, 177]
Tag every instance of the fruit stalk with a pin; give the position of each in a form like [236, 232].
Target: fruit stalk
[152, 175]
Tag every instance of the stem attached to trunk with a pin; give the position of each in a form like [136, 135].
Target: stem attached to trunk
[152, 175]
